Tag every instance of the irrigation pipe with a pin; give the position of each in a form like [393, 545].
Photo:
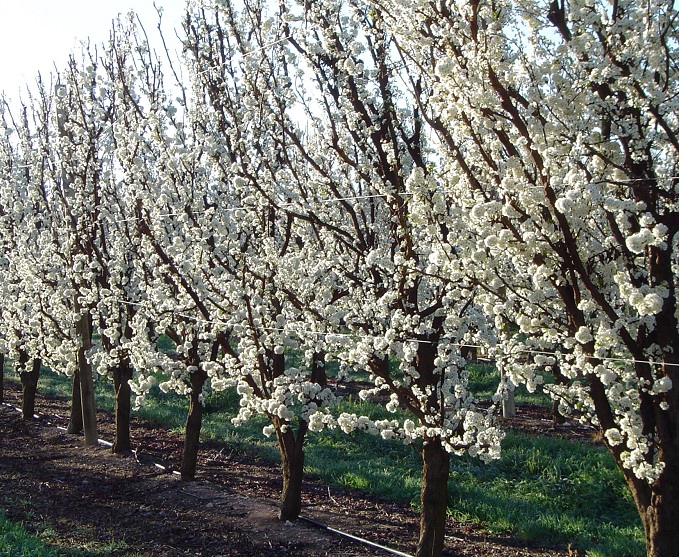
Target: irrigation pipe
[354, 538]
[315, 523]
[102, 442]
[44, 419]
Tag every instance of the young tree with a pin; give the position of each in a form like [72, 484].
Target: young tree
[29, 383]
[219, 240]
[560, 126]
[126, 337]
[403, 293]
[52, 202]
[76, 194]
[358, 178]
[161, 295]
[26, 241]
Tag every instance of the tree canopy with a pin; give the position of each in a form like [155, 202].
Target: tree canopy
[377, 183]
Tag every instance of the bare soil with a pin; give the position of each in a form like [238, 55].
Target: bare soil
[88, 497]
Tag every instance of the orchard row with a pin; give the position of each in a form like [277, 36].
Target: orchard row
[374, 183]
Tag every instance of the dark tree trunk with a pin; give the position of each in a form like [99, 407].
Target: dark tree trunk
[434, 499]
[291, 447]
[435, 458]
[658, 507]
[2, 377]
[194, 422]
[75, 422]
[29, 387]
[89, 410]
[292, 452]
[557, 417]
[292, 463]
[661, 515]
[660, 525]
[657, 502]
[121, 377]
[470, 353]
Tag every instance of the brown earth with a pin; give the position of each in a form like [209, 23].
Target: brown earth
[88, 498]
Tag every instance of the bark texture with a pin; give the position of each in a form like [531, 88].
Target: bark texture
[194, 422]
[292, 463]
[434, 499]
[291, 444]
[75, 422]
[658, 507]
[435, 458]
[89, 413]
[29, 387]
[121, 377]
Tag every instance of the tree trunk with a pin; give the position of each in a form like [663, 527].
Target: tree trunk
[194, 422]
[509, 404]
[470, 353]
[660, 527]
[661, 516]
[292, 463]
[434, 499]
[84, 329]
[121, 377]
[557, 417]
[29, 387]
[657, 502]
[508, 400]
[435, 459]
[75, 422]
[658, 507]
[2, 378]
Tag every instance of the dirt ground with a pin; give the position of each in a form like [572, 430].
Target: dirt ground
[88, 497]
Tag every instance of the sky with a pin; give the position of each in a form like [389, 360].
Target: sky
[36, 34]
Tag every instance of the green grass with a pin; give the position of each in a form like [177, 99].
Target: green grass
[16, 541]
[549, 491]
[545, 490]
[362, 461]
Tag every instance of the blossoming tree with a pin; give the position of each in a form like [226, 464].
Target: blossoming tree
[19, 198]
[251, 274]
[152, 289]
[47, 260]
[559, 122]
[65, 212]
[348, 158]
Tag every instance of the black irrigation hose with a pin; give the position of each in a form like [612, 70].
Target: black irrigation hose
[302, 518]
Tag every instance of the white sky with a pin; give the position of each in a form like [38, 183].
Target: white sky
[36, 34]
